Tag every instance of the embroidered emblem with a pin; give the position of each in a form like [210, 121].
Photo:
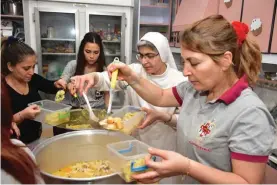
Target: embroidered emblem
[206, 128]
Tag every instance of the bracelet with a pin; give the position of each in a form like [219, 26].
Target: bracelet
[187, 171]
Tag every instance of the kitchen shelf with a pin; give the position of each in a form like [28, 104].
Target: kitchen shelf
[154, 6]
[58, 53]
[58, 39]
[110, 41]
[12, 16]
[154, 24]
[270, 84]
[112, 55]
[175, 50]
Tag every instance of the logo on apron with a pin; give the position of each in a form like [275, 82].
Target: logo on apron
[206, 128]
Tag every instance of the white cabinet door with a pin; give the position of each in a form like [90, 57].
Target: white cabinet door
[57, 35]
[111, 28]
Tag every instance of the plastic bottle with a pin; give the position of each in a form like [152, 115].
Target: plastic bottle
[109, 36]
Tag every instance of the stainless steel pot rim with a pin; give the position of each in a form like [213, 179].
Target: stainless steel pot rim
[38, 148]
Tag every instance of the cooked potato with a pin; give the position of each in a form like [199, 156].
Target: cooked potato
[119, 125]
[110, 120]
[103, 122]
[111, 126]
[117, 120]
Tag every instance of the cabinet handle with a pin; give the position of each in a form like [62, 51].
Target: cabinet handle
[80, 5]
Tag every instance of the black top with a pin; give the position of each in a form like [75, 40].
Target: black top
[30, 130]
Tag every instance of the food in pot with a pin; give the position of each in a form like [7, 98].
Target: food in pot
[87, 169]
[59, 96]
[78, 127]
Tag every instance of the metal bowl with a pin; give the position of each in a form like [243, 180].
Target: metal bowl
[77, 146]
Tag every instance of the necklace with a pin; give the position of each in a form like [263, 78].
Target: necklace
[20, 88]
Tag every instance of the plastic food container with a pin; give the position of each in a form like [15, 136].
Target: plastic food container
[52, 112]
[129, 121]
[128, 158]
[79, 119]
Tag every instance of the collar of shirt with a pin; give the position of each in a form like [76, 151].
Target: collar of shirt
[231, 94]
[234, 92]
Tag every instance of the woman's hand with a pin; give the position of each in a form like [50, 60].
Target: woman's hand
[15, 129]
[60, 84]
[71, 88]
[151, 116]
[172, 164]
[30, 112]
[83, 82]
[125, 73]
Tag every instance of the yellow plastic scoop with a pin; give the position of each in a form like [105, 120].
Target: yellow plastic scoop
[113, 84]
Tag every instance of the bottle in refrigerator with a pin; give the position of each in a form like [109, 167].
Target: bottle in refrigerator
[101, 33]
[109, 36]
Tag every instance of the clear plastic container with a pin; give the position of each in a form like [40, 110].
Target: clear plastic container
[79, 119]
[128, 158]
[129, 125]
[52, 112]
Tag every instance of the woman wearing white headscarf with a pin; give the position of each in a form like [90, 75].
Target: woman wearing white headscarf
[156, 63]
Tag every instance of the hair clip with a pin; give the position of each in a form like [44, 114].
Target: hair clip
[11, 40]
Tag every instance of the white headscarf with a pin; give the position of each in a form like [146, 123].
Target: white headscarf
[161, 43]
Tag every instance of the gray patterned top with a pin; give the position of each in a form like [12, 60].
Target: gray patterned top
[96, 98]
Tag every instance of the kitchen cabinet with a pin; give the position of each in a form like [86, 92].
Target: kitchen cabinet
[12, 19]
[274, 35]
[258, 15]
[56, 40]
[110, 26]
[174, 39]
[155, 15]
[191, 11]
[231, 10]
[56, 28]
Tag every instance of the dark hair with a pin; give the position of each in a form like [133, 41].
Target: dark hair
[13, 51]
[214, 36]
[14, 160]
[91, 37]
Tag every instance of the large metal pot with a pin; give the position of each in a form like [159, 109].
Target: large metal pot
[12, 7]
[77, 146]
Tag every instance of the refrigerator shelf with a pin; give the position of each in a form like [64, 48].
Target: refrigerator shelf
[110, 41]
[58, 53]
[58, 39]
[112, 55]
